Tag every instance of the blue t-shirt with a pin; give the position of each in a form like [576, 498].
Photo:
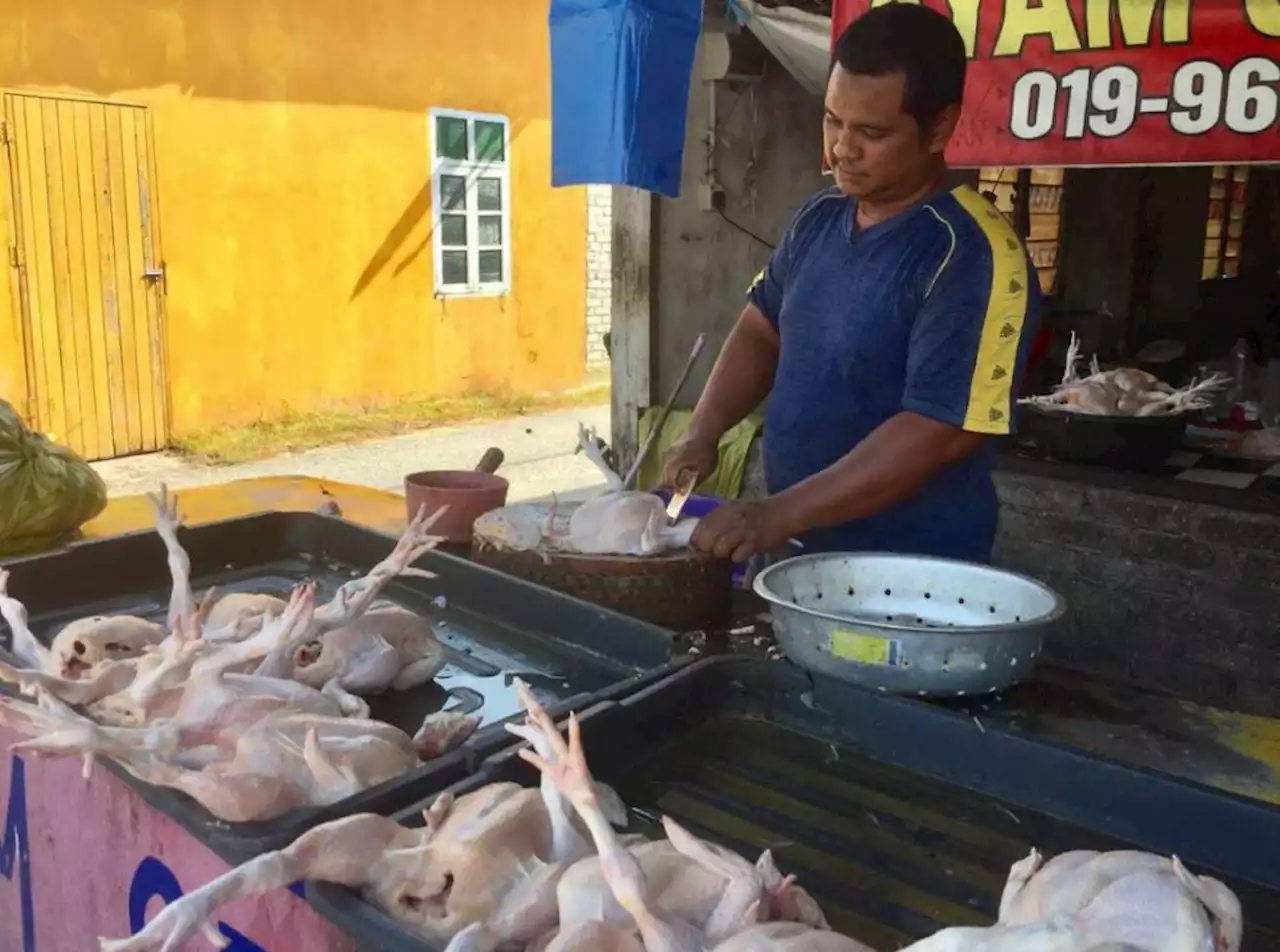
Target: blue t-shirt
[931, 312]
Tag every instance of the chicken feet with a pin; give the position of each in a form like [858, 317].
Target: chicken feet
[87, 642]
[347, 851]
[570, 775]
[733, 919]
[355, 597]
[168, 520]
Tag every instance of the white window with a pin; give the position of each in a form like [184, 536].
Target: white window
[471, 203]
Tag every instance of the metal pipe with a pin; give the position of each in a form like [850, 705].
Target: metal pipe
[630, 480]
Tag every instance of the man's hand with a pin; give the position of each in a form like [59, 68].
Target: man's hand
[693, 452]
[739, 530]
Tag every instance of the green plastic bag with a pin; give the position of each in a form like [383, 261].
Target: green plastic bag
[47, 492]
[735, 446]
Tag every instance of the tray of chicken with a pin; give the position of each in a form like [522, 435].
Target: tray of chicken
[323, 669]
[741, 806]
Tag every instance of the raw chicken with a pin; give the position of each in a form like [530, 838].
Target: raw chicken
[735, 922]
[618, 521]
[361, 656]
[239, 613]
[481, 872]
[245, 748]
[1124, 901]
[1068, 883]
[359, 642]
[480, 875]
[1150, 910]
[386, 647]
[87, 642]
[692, 882]
[186, 666]
[1124, 391]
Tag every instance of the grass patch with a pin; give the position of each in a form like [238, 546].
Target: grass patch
[304, 431]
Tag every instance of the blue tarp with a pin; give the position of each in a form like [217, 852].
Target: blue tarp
[620, 72]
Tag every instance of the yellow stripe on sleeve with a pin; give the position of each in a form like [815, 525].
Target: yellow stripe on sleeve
[992, 383]
[755, 281]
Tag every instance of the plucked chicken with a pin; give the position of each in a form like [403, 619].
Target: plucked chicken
[615, 521]
[1084, 901]
[244, 756]
[199, 709]
[484, 872]
[386, 647]
[1066, 884]
[738, 920]
[356, 643]
[1124, 391]
[618, 521]
[481, 872]
[88, 642]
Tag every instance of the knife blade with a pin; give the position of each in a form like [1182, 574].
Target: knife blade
[686, 481]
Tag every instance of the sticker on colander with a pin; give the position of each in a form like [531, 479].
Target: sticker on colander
[857, 646]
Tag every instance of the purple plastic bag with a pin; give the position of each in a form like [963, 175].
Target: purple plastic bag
[697, 507]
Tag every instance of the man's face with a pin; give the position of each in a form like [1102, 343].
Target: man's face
[875, 149]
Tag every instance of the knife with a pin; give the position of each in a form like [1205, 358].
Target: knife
[686, 481]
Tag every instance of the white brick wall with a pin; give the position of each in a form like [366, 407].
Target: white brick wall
[599, 271]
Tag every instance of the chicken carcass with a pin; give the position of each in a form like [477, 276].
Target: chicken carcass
[1124, 391]
[481, 873]
[105, 678]
[688, 879]
[87, 642]
[386, 647]
[279, 762]
[692, 881]
[618, 521]
[1150, 910]
[187, 666]
[247, 750]
[736, 920]
[367, 645]
[238, 614]
[131, 691]
[1068, 883]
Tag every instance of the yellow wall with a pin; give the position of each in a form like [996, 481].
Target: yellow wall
[291, 142]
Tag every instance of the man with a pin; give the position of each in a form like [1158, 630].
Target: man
[891, 326]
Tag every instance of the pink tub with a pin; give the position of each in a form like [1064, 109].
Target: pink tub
[83, 859]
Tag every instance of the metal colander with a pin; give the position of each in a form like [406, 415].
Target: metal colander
[908, 624]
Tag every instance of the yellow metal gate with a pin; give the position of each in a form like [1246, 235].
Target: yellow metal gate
[85, 252]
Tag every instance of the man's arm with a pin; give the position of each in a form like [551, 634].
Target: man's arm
[743, 374]
[741, 378]
[968, 349]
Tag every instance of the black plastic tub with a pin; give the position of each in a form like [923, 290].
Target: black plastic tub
[1134, 443]
[900, 817]
[572, 653]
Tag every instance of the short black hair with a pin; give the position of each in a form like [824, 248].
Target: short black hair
[920, 43]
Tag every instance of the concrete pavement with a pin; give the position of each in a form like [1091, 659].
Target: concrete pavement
[539, 450]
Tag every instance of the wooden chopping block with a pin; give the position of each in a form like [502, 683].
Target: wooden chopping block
[683, 591]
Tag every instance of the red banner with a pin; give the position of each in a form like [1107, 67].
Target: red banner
[1113, 82]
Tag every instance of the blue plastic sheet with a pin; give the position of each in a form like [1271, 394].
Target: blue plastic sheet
[620, 73]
